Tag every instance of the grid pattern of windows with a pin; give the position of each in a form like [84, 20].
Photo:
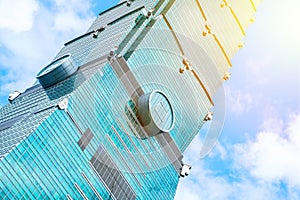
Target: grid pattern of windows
[107, 17]
[21, 117]
[157, 47]
[88, 48]
[189, 112]
[48, 164]
[111, 175]
[98, 104]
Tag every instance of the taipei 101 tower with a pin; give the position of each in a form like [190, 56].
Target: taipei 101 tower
[112, 114]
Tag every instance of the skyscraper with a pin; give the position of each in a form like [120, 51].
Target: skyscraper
[112, 114]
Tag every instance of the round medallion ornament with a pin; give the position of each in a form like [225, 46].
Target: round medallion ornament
[155, 113]
[57, 71]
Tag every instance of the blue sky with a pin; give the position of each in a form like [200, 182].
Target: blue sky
[257, 156]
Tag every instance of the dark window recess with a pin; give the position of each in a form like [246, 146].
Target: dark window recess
[85, 139]
[133, 123]
[43, 109]
[111, 175]
[9, 123]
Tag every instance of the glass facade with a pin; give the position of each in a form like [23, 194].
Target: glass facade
[84, 136]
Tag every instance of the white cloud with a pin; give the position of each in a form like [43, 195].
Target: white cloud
[221, 150]
[17, 15]
[265, 168]
[257, 70]
[205, 184]
[274, 155]
[67, 21]
[240, 102]
[72, 15]
[79, 6]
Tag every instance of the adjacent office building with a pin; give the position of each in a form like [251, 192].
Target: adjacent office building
[112, 114]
